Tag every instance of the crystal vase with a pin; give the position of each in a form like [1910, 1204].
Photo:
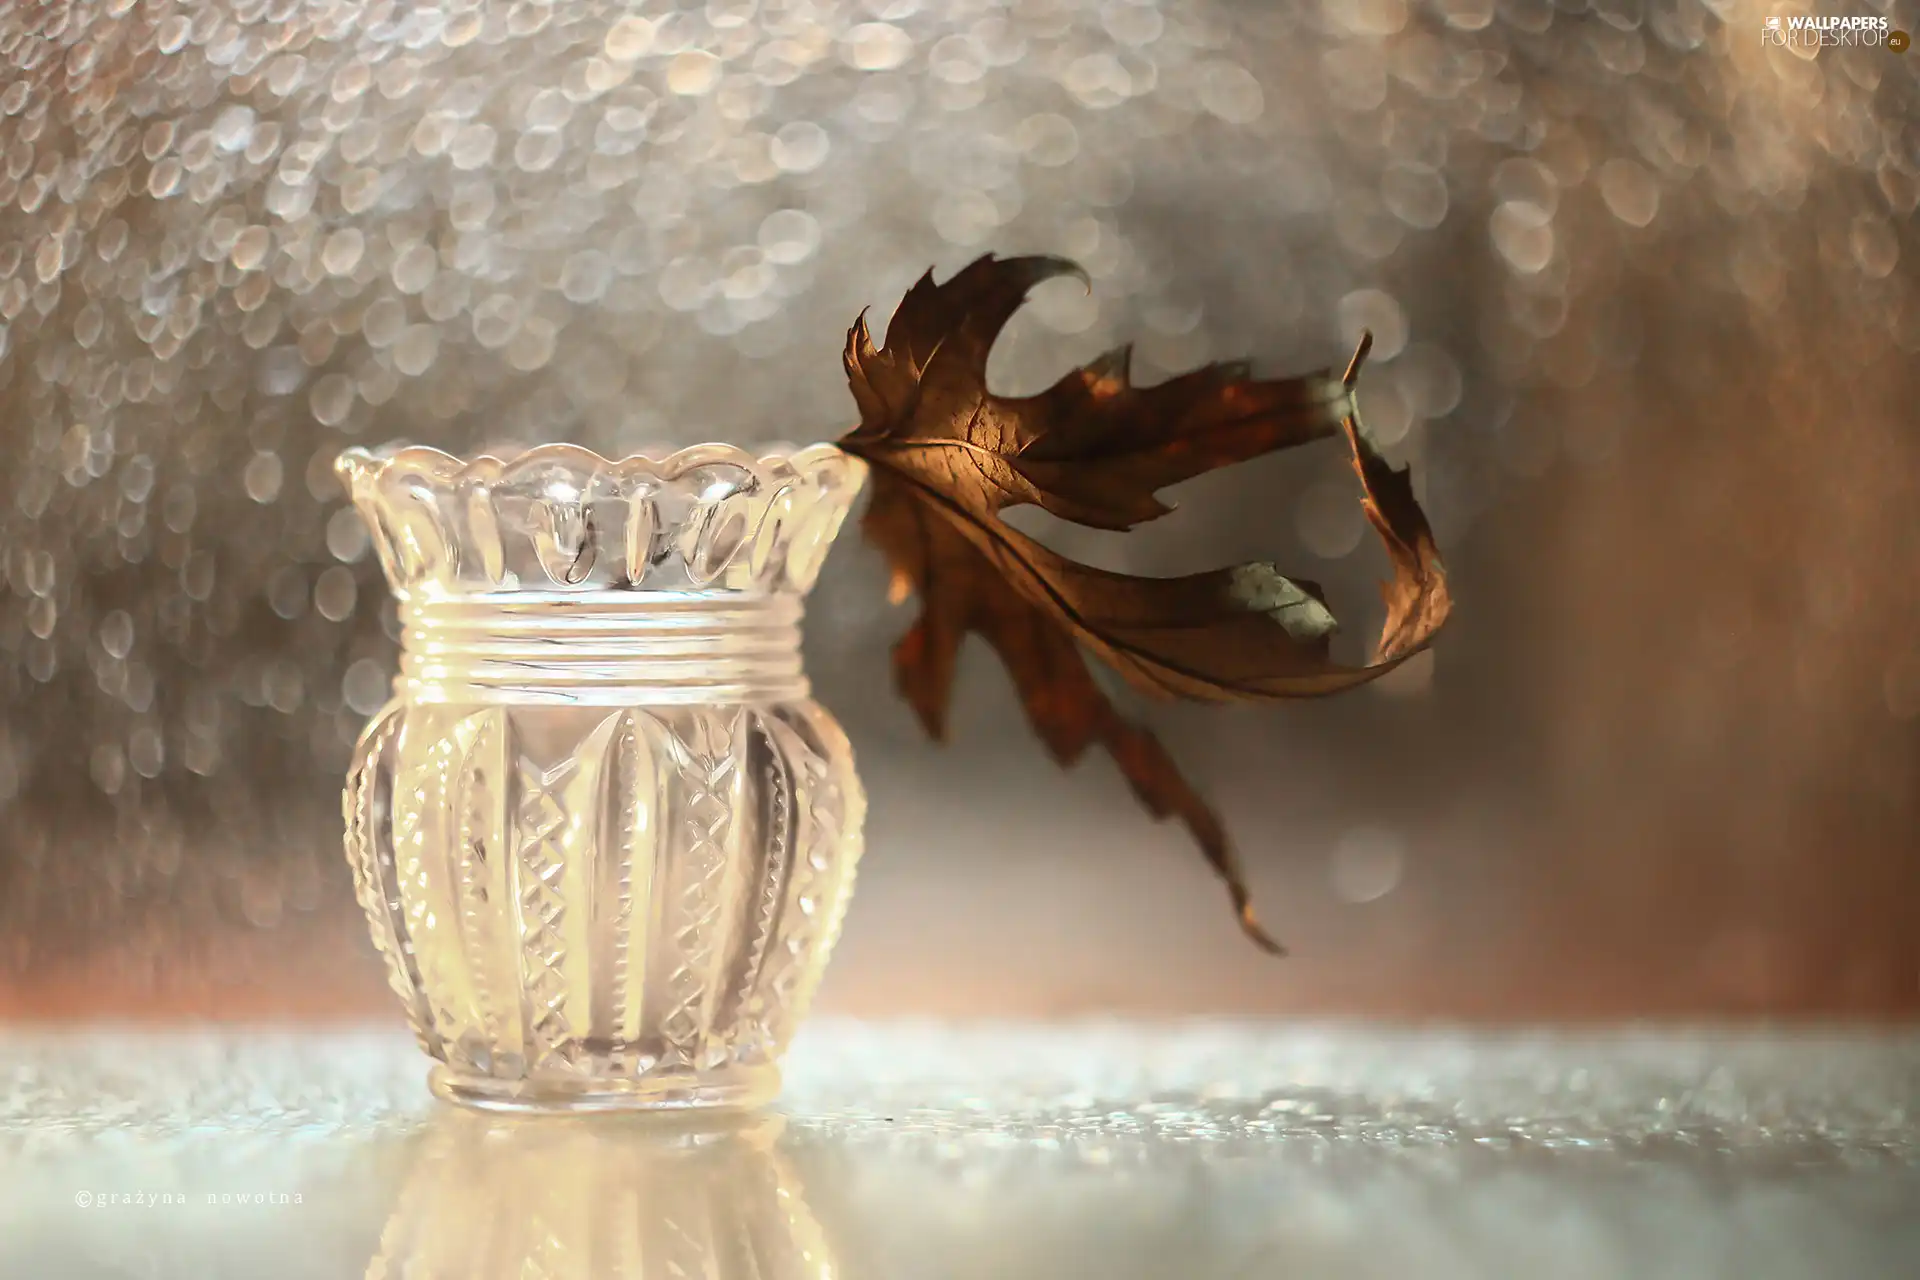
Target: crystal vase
[602, 835]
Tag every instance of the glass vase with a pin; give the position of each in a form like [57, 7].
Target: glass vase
[602, 834]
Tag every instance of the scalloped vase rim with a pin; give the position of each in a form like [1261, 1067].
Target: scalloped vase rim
[705, 517]
[358, 459]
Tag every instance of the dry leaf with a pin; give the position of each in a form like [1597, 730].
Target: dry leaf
[947, 456]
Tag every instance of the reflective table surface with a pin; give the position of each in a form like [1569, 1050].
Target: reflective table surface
[916, 1150]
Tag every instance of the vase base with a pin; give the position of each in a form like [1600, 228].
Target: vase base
[727, 1089]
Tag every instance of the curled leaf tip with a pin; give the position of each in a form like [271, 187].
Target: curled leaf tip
[1041, 267]
[856, 331]
[1250, 925]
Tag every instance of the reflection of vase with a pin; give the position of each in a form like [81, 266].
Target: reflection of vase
[602, 834]
[631, 1198]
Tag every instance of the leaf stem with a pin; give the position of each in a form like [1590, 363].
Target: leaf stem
[1360, 353]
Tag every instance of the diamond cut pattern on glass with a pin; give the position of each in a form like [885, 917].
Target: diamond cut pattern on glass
[632, 893]
[540, 862]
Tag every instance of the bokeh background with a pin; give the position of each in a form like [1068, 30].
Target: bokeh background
[1647, 301]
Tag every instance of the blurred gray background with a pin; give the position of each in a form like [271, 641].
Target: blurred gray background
[1647, 310]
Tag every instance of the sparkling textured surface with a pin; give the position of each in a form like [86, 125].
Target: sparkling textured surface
[1204, 1150]
[1645, 307]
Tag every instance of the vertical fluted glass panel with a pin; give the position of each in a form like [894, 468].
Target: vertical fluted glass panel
[603, 837]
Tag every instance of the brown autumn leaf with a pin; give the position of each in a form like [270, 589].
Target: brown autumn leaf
[947, 456]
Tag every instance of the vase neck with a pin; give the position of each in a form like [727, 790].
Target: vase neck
[601, 648]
